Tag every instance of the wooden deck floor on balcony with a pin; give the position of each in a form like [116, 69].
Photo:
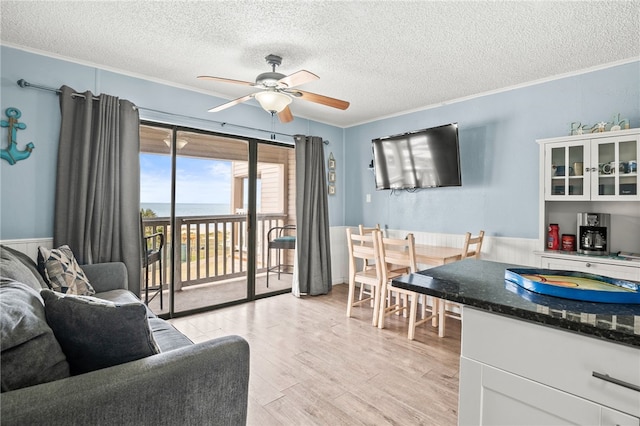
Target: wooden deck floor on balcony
[218, 292]
[311, 365]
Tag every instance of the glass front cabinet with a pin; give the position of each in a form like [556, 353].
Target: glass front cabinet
[595, 166]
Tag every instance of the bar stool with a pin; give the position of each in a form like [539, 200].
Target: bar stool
[280, 238]
[152, 253]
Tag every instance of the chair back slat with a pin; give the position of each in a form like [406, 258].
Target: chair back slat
[472, 245]
[362, 247]
[368, 263]
[368, 230]
[396, 252]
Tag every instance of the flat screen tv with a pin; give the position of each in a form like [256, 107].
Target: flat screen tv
[426, 158]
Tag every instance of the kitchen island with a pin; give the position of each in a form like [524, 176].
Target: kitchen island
[530, 359]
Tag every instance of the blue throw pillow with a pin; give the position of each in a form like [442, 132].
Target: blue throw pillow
[96, 333]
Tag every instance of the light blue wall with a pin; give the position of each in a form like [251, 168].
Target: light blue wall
[499, 155]
[497, 145]
[27, 189]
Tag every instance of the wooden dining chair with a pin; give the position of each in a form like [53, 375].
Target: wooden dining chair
[471, 249]
[363, 247]
[472, 245]
[368, 263]
[398, 257]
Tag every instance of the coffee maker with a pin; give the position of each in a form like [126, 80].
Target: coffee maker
[592, 233]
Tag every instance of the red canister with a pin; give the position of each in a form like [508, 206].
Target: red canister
[553, 239]
[568, 242]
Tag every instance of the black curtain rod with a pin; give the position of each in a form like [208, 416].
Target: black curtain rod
[23, 83]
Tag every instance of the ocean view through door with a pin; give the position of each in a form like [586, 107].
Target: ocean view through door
[201, 190]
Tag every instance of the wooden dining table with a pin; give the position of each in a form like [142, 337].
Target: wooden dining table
[437, 255]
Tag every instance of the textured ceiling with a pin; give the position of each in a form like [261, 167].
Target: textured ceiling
[385, 57]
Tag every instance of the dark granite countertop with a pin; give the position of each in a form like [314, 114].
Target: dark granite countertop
[481, 284]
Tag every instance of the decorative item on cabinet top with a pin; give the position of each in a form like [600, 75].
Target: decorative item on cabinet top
[11, 153]
[577, 128]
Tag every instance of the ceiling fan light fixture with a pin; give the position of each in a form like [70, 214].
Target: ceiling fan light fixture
[272, 101]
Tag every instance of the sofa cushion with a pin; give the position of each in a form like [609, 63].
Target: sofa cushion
[61, 270]
[121, 297]
[30, 353]
[166, 335]
[17, 266]
[96, 333]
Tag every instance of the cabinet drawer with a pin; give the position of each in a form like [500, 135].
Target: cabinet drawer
[559, 359]
[592, 267]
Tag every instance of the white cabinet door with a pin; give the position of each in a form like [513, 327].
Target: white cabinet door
[502, 398]
[508, 399]
[596, 167]
[591, 267]
[610, 417]
[614, 165]
[557, 359]
[566, 171]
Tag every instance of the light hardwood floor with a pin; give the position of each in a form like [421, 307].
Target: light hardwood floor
[311, 365]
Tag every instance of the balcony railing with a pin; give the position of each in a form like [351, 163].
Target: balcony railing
[212, 248]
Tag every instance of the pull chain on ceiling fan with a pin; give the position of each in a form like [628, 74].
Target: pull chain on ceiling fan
[277, 91]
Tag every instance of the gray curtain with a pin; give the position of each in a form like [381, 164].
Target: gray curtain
[312, 217]
[98, 181]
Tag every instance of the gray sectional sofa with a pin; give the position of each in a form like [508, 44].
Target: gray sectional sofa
[48, 378]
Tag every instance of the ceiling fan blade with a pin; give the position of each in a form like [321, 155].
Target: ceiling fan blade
[320, 99]
[225, 80]
[231, 103]
[298, 78]
[285, 115]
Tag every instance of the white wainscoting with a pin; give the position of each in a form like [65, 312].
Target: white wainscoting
[518, 251]
[29, 246]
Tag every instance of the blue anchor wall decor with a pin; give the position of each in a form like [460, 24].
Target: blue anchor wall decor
[12, 154]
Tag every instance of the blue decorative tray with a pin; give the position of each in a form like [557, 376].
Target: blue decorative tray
[575, 285]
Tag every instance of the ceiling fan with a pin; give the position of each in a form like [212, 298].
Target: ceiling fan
[277, 91]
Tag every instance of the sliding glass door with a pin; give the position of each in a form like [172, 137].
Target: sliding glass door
[214, 197]
[275, 243]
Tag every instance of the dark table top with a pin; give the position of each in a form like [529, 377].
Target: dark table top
[481, 284]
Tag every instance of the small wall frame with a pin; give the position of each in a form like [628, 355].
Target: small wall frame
[332, 162]
[331, 174]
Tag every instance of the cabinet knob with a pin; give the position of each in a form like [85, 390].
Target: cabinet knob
[588, 265]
